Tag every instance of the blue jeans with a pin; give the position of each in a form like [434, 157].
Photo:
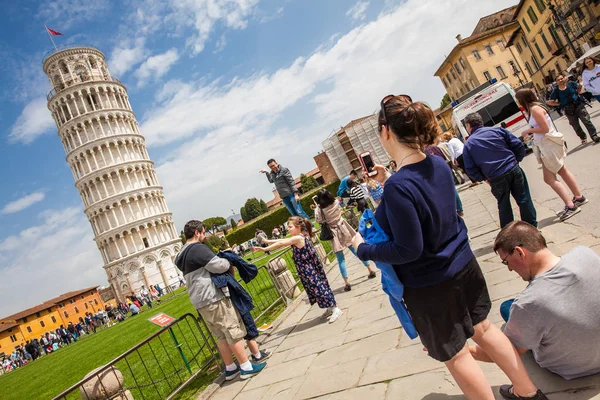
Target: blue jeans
[513, 183]
[294, 207]
[341, 259]
[505, 309]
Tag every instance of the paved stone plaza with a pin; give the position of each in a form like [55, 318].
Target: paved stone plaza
[366, 355]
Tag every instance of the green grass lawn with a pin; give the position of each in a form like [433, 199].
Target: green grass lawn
[52, 374]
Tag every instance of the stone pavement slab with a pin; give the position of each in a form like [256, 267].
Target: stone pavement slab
[367, 355]
[359, 349]
[397, 363]
[281, 372]
[339, 377]
[369, 392]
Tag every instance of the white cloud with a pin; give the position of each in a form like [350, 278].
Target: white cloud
[35, 120]
[127, 56]
[358, 12]
[156, 66]
[55, 256]
[68, 12]
[221, 43]
[238, 125]
[177, 17]
[23, 203]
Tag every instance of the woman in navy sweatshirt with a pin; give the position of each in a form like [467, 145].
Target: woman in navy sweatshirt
[444, 288]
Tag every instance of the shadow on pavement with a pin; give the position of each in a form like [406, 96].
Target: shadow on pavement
[483, 251]
[580, 147]
[547, 222]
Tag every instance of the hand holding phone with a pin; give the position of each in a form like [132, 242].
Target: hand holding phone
[368, 164]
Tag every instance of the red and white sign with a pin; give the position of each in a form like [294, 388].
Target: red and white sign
[161, 319]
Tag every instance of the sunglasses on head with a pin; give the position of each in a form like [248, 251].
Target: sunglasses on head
[385, 100]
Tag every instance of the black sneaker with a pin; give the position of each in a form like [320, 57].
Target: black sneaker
[372, 275]
[347, 288]
[264, 354]
[569, 212]
[580, 201]
[596, 139]
[506, 392]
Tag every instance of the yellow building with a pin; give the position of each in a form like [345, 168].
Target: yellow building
[10, 337]
[552, 36]
[32, 323]
[444, 118]
[483, 56]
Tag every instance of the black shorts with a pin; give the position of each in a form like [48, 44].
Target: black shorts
[445, 314]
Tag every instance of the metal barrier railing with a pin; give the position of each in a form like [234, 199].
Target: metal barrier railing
[163, 364]
[157, 368]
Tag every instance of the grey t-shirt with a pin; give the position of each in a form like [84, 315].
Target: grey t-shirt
[558, 316]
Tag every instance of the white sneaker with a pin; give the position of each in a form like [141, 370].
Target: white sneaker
[335, 315]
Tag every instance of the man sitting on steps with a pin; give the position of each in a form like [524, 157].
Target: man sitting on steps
[557, 316]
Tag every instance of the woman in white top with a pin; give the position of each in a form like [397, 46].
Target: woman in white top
[590, 75]
[549, 149]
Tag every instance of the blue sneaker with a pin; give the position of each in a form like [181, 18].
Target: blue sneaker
[230, 375]
[256, 368]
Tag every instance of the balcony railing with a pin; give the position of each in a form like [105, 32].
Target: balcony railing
[66, 47]
[71, 83]
[555, 48]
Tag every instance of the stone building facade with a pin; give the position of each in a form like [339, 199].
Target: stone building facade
[483, 56]
[113, 172]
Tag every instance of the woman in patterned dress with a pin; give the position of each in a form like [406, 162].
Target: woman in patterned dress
[309, 266]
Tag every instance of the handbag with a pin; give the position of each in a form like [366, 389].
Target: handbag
[326, 233]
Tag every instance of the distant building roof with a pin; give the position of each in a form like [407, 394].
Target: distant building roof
[4, 326]
[47, 304]
[487, 26]
[495, 20]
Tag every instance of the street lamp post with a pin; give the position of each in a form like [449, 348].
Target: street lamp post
[516, 72]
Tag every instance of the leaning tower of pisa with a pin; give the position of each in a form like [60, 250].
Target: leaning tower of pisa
[113, 173]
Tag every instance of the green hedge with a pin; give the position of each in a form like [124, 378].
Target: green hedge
[275, 218]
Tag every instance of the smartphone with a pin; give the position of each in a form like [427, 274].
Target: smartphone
[367, 162]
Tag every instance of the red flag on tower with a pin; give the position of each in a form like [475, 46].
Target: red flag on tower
[53, 32]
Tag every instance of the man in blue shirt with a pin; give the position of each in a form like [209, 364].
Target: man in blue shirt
[566, 96]
[493, 155]
[344, 188]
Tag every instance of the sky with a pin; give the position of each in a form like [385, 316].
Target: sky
[218, 87]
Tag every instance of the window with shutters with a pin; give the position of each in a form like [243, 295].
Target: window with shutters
[532, 15]
[476, 55]
[501, 72]
[487, 76]
[526, 26]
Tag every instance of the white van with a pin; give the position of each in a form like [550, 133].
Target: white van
[498, 107]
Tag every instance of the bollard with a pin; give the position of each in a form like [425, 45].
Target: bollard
[105, 385]
[284, 280]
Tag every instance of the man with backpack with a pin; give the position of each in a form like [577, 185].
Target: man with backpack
[567, 96]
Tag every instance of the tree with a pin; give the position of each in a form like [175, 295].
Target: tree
[214, 221]
[253, 208]
[183, 239]
[308, 183]
[445, 101]
[263, 206]
[215, 243]
[244, 214]
[233, 224]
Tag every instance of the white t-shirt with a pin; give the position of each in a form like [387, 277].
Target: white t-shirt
[534, 124]
[455, 147]
[591, 80]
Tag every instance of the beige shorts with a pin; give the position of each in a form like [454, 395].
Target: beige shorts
[223, 321]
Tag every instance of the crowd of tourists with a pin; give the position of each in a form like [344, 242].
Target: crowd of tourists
[62, 336]
[412, 230]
